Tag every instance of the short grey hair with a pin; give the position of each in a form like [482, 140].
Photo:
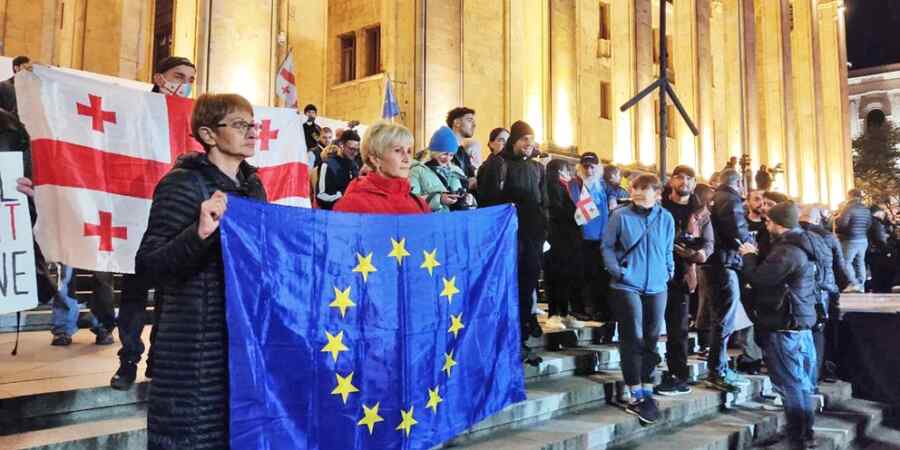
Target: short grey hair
[381, 136]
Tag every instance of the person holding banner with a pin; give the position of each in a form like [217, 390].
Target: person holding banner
[174, 76]
[180, 255]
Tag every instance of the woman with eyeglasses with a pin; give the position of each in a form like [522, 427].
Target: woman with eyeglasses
[181, 256]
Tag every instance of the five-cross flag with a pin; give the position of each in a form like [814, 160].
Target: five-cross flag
[585, 208]
[99, 150]
[285, 85]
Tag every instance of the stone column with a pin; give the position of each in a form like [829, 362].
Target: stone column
[705, 117]
[647, 141]
[895, 108]
[835, 105]
[855, 129]
[308, 37]
[807, 88]
[563, 67]
[240, 54]
[483, 74]
[687, 68]
[632, 70]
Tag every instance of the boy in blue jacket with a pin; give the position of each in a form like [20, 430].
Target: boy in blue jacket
[637, 250]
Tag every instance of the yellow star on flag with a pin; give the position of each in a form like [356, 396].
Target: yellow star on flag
[408, 421]
[448, 363]
[433, 399]
[335, 345]
[364, 266]
[455, 324]
[430, 261]
[345, 386]
[370, 417]
[449, 289]
[398, 250]
[342, 300]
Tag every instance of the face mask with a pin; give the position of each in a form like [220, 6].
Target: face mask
[178, 89]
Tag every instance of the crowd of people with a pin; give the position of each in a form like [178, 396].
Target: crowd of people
[764, 274]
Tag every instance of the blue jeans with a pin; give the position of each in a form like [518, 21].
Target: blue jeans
[855, 254]
[65, 307]
[723, 310]
[791, 359]
[640, 324]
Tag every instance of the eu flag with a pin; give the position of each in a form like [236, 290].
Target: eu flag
[351, 331]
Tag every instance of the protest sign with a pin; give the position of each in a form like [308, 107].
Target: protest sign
[18, 285]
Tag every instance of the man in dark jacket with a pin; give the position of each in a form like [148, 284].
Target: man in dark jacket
[180, 255]
[881, 257]
[694, 243]
[311, 129]
[462, 121]
[852, 228]
[834, 274]
[785, 311]
[174, 75]
[729, 219]
[516, 178]
[8, 87]
[337, 171]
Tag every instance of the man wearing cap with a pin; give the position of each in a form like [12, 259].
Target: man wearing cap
[694, 243]
[439, 181]
[590, 176]
[174, 75]
[785, 306]
[516, 178]
[311, 129]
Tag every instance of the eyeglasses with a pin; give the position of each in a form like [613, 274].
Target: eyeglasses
[241, 126]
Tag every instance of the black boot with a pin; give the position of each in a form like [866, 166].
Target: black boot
[124, 377]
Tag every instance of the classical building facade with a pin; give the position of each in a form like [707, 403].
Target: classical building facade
[874, 97]
[767, 78]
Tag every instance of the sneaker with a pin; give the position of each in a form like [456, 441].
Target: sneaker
[61, 340]
[572, 322]
[672, 386]
[535, 327]
[553, 324]
[531, 358]
[646, 410]
[735, 378]
[721, 384]
[124, 377]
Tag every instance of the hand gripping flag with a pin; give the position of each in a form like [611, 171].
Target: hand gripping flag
[351, 331]
[99, 150]
[285, 85]
[585, 208]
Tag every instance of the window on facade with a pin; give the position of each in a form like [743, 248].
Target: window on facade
[605, 100]
[373, 50]
[348, 57]
[604, 20]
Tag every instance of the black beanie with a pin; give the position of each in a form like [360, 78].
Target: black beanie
[517, 130]
[785, 214]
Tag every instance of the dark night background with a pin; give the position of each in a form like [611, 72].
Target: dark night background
[873, 32]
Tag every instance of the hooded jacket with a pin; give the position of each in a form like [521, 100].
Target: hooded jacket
[374, 193]
[784, 284]
[427, 184]
[564, 259]
[648, 267]
[837, 275]
[510, 178]
[188, 401]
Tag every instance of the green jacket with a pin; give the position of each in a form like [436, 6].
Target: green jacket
[425, 183]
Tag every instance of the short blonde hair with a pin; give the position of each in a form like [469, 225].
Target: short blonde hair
[381, 136]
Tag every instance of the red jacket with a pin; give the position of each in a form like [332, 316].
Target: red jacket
[374, 193]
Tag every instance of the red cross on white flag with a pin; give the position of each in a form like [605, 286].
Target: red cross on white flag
[585, 209]
[285, 85]
[99, 150]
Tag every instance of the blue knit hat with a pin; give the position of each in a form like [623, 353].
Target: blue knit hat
[444, 141]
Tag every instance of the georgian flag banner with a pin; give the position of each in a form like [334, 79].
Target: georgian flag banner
[285, 85]
[99, 149]
[585, 208]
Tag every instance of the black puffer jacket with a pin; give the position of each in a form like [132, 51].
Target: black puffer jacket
[784, 284]
[188, 401]
[853, 221]
[838, 277]
[729, 220]
[564, 260]
[521, 181]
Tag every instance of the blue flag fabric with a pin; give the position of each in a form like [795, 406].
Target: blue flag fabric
[391, 108]
[351, 331]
